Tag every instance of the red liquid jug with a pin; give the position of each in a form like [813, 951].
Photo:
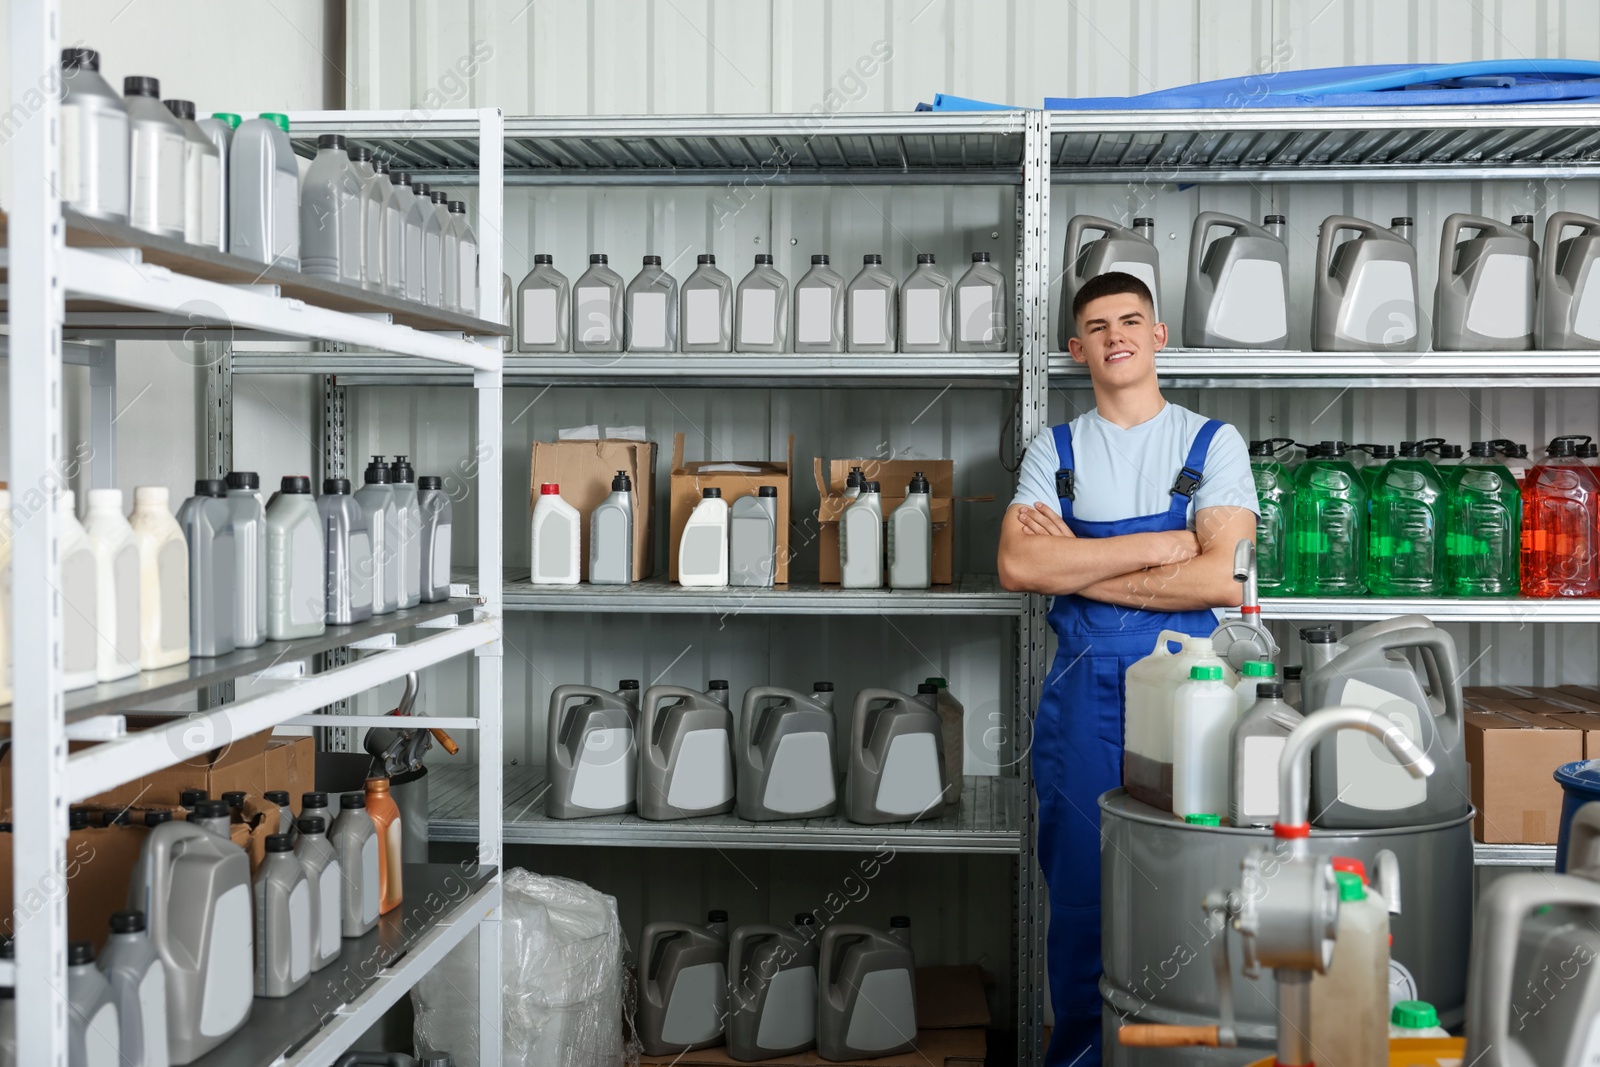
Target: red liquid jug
[1560, 513]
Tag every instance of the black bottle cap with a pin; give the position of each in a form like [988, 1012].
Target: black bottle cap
[711, 494]
[434, 1059]
[77, 819]
[598, 257]
[1411, 449]
[430, 481]
[1269, 690]
[377, 472]
[1292, 674]
[871, 257]
[818, 260]
[871, 487]
[380, 166]
[127, 922]
[980, 257]
[438, 197]
[401, 472]
[899, 922]
[280, 843]
[822, 687]
[1454, 452]
[296, 484]
[924, 687]
[1481, 448]
[234, 798]
[138, 85]
[767, 491]
[311, 824]
[1519, 220]
[919, 483]
[705, 257]
[400, 177]
[717, 916]
[79, 952]
[1144, 220]
[156, 818]
[277, 796]
[652, 261]
[1275, 220]
[8, 949]
[210, 809]
[243, 480]
[117, 818]
[805, 918]
[359, 154]
[190, 797]
[352, 800]
[543, 258]
[621, 483]
[183, 109]
[210, 487]
[419, 189]
[924, 257]
[5, 828]
[313, 800]
[854, 478]
[336, 487]
[1318, 635]
[628, 683]
[717, 684]
[80, 58]
[1402, 220]
[1260, 448]
[763, 257]
[457, 207]
[1381, 451]
[330, 140]
[1561, 447]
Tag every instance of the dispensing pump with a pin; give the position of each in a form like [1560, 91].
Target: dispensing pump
[1246, 638]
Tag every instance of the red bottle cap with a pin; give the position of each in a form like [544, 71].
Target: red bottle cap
[1350, 866]
[549, 489]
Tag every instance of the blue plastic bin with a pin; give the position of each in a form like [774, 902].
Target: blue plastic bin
[1580, 782]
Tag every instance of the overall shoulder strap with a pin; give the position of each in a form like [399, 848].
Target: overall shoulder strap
[1193, 472]
[1064, 468]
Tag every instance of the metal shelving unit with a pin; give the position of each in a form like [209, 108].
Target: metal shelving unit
[969, 594]
[108, 282]
[1195, 368]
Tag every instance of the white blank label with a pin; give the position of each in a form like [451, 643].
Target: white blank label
[649, 321]
[71, 154]
[538, 316]
[703, 309]
[922, 325]
[1259, 795]
[975, 304]
[756, 316]
[869, 313]
[594, 315]
[813, 321]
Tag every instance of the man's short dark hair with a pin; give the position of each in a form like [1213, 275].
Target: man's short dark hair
[1111, 283]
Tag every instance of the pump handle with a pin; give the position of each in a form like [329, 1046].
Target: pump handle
[1156, 1035]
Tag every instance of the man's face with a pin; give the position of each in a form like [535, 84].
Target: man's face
[1118, 339]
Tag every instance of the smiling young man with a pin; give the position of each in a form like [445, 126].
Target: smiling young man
[1128, 517]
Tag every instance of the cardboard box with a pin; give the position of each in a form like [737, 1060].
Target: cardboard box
[892, 476]
[1586, 696]
[237, 764]
[291, 765]
[100, 862]
[584, 470]
[1588, 725]
[689, 479]
[1512, 760]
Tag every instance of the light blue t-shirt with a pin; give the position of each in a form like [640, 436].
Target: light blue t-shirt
[1124, 474]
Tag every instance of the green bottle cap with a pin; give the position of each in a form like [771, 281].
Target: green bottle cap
[1203, 819]
[940, 682]
[1259, 668]
[227, 116]
[1350, 887]
[1414, 1015]
[281, 120]
[1205, 674]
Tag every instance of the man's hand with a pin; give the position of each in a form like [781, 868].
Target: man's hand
[1042, 520]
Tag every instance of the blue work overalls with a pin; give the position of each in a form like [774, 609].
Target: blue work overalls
[1077, 751]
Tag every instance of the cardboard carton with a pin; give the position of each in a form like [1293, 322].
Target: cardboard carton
[237, 764]
[892, 476]
[100, 861]
[291, 764]
[584, 470]
[1512, 757]
[690, 478]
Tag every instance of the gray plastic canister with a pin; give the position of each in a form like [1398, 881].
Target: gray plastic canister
[330, 214]
[761, 309]
[591, 759]
[218, 129]
[139, 984]
[297, 591]
[156, 193]
[355, 838]
[650, 309]
[347, 557]
[202, 179]
[194, 889]
[324, 877]
[1569, 285]
[819, 309]
[462, 292]
[285, 823]
[94, 139]
[544, 313]
[1364, 291]
[213, 816]
[925, 308]
[683, 987]
[207, 522]
[772, 986]
[249, 521]
[753, 539]
[439, 252]
[705, 313]
[1155, 869]
[911, 538]
[407, 532]
[861, 540]
[685, 745]
[264, 193]
[418, 208]
[1485, 298]
[94, 1031]
[1118, 248]
[872, 307]
[283, 921]
[597, 308]
[785, 749]
[1254, 748]
[896, 758]
[982, 308]
[866, 991]
[376, 497]
[1238, 291]
[611, 535]
[434, 543]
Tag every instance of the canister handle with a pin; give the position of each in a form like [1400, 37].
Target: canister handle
[747, 711]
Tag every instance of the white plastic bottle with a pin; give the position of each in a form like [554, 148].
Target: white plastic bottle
[264, 193]
[374, 193]
[1252, 674]
[1202, 725]
[297, 587]
[1415, 1018]
[465, 290]
[163, 580]
[705, 314]
[5, 597]
[439, 242]
[861, 540]
[80, 607]
[396, 199]
[94, 139]
[911, 538]
[408, 532]
[703, 550]
[556, 536]
[1350, 1003]
[202, 179]
[116, 563]
[331, 214]
[156, 160]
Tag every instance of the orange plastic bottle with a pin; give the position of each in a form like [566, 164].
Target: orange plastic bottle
[1560, 517]
[386, 817]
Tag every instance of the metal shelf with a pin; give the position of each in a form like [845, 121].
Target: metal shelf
[313, 1026]
[1200, 368]
[973, 148]
[1326, 144]
[970, 594]
[1513, 855]
[1514, 610]
[721, 371]
[988, 820]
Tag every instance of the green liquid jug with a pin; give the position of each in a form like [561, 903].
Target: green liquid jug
[1275, 494]
[1482, 526]
[1328, 556]
[1405, 544]
[1378, 456]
